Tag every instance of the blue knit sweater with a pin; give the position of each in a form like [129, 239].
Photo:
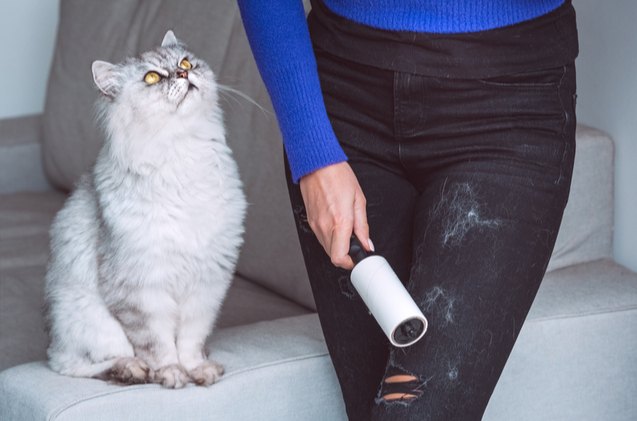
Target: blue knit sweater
[281, 45]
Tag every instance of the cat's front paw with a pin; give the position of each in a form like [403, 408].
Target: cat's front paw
[130, 370]
[173, 376]
[207, 373]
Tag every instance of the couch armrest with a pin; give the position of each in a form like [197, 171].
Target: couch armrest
[21, 156]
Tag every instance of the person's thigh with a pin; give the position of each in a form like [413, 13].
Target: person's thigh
[486, 222]
[356, 344]
[359, 102]
[482, 244]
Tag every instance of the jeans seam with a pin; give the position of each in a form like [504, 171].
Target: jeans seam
[565, 119]
[398, 128]
[564, 112]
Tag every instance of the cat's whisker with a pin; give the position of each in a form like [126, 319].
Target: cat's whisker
[228, 89]
[232, 99]
[229, 100]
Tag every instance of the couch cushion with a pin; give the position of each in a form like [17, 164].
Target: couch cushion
[24, 224]
[575, 357]
[113, 30]
[585, 289]
[264, 362]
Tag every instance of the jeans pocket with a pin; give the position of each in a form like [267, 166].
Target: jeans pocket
[547, 78]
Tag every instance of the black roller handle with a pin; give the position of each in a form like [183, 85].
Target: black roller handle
[356, 250]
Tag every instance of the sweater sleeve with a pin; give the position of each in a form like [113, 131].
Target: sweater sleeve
[280, 42]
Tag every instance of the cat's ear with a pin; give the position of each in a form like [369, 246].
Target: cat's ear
[105, 77]
[169, 39]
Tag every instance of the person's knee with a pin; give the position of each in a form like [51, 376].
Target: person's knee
[401, 387]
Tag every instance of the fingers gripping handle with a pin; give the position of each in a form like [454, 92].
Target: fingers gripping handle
[386, 298]
[356, 250]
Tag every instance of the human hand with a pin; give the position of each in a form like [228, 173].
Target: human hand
[336, 206]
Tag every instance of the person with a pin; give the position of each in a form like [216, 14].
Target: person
[444, 130]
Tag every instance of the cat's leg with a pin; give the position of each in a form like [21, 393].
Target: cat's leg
[198, 313]
[150, 321]
[88, 342]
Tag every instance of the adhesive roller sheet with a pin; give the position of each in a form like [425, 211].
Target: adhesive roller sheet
[387, 299]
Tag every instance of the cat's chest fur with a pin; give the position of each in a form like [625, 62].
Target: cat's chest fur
[165, 222]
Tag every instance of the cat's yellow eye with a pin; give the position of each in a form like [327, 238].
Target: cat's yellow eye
[185, 64]
[152, 77]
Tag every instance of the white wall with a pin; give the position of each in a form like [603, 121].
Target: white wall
[607, 99]
[607, 79]
[27, 34]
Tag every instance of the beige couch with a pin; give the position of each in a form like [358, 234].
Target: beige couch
[575, 357]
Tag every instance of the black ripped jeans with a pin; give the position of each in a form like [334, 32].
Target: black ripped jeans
[466, 181]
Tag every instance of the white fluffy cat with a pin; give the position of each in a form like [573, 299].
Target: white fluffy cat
[144, 250]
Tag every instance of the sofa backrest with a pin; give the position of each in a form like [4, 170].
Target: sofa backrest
[112, 30]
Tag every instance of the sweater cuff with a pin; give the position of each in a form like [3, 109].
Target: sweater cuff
[309, 156]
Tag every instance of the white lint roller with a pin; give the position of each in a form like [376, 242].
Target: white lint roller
[386, 297]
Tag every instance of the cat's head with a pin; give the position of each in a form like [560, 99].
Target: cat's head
[158, 84]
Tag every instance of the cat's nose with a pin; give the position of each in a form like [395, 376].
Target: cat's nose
[182, 74]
